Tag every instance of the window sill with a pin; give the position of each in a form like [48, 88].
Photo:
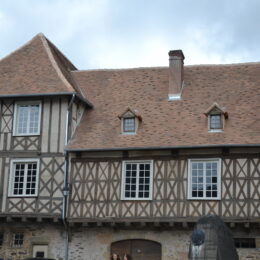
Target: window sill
[210, 199]
[216, 131]
[134, 133]
[22, 196]
[136, 199]
[21, 135]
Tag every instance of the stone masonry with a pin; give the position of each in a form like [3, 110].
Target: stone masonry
[36, 234]
[94, 243]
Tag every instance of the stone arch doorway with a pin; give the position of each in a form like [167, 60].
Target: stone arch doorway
[138, 249]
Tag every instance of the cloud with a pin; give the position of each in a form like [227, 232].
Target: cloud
[116, 33]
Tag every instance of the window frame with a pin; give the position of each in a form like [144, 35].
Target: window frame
[123, 125]
[13, 240]
[12, 176]
[239, 241]
[124, 163]
[216, 130]
[16, 117]
[204, 160]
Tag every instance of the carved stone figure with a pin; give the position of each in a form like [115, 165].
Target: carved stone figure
[212, 240]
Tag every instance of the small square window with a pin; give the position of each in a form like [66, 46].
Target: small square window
[129, 125]
[18, 239]
[27, 118]
[216, 121]
[245, 242]
[1, 239]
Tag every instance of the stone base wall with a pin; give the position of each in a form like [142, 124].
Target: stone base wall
[35, 234]
[249, 253]
[94, 244]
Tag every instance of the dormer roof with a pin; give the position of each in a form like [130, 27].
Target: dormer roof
[215, 108]
[130, 112]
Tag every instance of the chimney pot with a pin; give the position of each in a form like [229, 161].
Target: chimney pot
[177, 53]
[176, 58]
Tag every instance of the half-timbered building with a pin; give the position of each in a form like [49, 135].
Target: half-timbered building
[125, 161]
[40, 107]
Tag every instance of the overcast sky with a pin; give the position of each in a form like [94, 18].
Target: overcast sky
[136, 33]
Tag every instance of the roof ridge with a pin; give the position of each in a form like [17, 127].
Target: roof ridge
[224, 65]
[166, 67]
[54, 63]
[121, 69]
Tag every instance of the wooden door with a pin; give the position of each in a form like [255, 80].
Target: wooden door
[137, 249]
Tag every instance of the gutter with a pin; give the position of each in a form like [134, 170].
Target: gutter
[161, 147]
[66, 189]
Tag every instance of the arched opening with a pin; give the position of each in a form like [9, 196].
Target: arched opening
[137, 249]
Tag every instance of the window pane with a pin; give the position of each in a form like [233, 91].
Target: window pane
[18, 239]
[18, 179]
[31, 178]
[34, 119]
[27, 121]
[215, 122]
[22, 120]
[137, 180]
[129, 124]
[24, 178]
[214, 194]
[130, 181]
[245, 242]
[204, 179]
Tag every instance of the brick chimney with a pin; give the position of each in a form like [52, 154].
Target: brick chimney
[176, 58]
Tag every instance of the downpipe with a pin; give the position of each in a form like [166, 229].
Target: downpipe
[66, 188]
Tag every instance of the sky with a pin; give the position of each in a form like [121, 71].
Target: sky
[96, 34]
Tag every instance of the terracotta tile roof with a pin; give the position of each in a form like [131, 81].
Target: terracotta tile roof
[38, 67]
[235, 88]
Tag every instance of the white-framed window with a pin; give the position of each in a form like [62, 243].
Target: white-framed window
[18, 239]
[24, 178]
[27, 118]
[129, 125]
[204, 178]
[137, 180]
[130, 120]
[215, 121]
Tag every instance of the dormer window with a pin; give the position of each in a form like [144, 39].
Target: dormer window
[216, 121]
[129, 125]
[129, 121]
[216, 117]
